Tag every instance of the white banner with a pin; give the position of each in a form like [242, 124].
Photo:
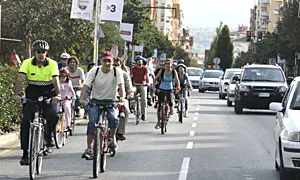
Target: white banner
[82, 9]
[126, 31]
[138, 48]
[112, 10]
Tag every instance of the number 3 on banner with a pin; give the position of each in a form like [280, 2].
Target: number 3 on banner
[113, 8]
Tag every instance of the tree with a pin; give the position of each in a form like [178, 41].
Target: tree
[224, 48]
[213, 46]
[180, 53]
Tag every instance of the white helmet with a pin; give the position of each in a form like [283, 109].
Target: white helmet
[65, 56]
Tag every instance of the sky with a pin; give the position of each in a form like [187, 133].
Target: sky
[209, 13]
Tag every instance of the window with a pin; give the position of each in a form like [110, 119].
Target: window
[213, 74]
[263, 74]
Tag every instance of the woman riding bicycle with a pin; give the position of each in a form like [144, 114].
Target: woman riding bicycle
[166, 76]
[184, 81]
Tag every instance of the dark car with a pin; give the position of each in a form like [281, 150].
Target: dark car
[258, 86]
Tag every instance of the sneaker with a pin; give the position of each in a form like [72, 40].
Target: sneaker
[155, 105]
[150, 102]
[88, 154]
[50, 143]
[186, 114]
[143, 117]
[113, 145]
[49, 150]
[24, 160]
[171, 111]
[121, 137]
[122, 114]
[77, 113]
[157, 126]
[85, 116]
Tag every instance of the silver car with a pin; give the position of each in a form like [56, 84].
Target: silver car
[210, 80]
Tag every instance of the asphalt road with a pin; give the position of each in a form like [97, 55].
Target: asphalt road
[212, 144]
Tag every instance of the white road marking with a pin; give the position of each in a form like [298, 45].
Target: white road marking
[196, 113]
[184, 169]
[189, 145]
[194, 125]
[192, 133]
[195, 118]
[197, 109]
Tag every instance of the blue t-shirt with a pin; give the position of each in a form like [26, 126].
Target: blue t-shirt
[166, 82]
[184, 80]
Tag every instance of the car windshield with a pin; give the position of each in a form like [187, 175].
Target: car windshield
[229, 74]
[212, 74]
[194, 72]
[234, 81]
[295, 104]
[263, 74]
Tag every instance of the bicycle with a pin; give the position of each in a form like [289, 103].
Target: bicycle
[37, 143]
[60, 134]
[73, 113]
[135, 102]
[181, 104]
[163, 114]
[101, 140]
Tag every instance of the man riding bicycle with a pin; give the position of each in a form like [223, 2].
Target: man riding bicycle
[105, 79]
[42, 78]
[139, 74]
[166, 76]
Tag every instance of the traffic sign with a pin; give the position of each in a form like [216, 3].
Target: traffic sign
[112, 10]
[217, 60]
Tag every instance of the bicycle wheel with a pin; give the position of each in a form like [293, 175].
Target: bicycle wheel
[162, 121]
[137, 115]
[104, 150]
[41, 147]
[96, 151]
[58, 134]
[180, 114]
[32, 152]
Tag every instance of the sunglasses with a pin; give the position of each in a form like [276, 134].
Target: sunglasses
[107, 60]
[40, 51]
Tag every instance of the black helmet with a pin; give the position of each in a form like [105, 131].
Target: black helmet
[40, 45]
[180, 61]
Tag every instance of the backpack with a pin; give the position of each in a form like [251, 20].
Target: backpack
[162, 76]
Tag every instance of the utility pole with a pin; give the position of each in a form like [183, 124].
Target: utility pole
[0, 25]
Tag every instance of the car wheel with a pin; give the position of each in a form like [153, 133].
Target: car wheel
[282, 172]
[238, 107]
[223, 96]
[229, 103]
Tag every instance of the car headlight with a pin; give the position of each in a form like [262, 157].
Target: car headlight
[244, 88]
[282, 89]
[291, 136]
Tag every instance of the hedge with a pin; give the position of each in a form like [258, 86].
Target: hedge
[10, 113]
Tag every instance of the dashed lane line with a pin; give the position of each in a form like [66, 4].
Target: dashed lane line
[192, 133]
[194, 125]
[184, 169]
[189, 145]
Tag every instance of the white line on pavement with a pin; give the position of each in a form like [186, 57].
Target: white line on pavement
[192, 133]
[194, 125]
[195, 118]
[197, 109]
[184, 169]
[196, 113]
[189, 145]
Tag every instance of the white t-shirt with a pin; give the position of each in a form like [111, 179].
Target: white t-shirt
[76, 76]
[105, 84]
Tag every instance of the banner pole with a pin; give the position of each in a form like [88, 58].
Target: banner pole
[96, 27]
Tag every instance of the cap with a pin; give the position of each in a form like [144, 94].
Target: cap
[107, 55]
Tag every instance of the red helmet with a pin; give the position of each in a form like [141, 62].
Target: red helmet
[64, 72]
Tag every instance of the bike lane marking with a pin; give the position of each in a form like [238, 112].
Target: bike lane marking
[192, 133]
[189, 145]
[184, 169]
[194, 125]
[195, 118]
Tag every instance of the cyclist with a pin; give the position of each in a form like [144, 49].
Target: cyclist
[139, 74]
[63, 60]
[42, 80]
[77, 77]
[184, 81]
[104, 80]
[166, 86]
[129, 94]
[161, 66]
[66, 90]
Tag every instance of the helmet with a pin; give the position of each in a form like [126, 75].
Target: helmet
[65, 56]
[180, 61]
[40, 45]
[182, 65]
[64, 71]
[138, 57]
[144, 60]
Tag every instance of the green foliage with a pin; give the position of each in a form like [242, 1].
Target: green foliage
[180, 53]
[224, 48]
[214, 44]
[194, 63]
[10, 112]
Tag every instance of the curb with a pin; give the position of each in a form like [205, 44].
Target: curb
[9, 138]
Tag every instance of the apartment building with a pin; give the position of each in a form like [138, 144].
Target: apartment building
[274, 14]
[262, 16]
[253, 19]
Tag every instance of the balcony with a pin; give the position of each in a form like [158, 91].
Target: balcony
[265, 1]
[264, 13]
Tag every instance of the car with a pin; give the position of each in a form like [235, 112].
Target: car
[224, 81]
[210, 80]
[287, 130]
[194, 75]
[258, 86]
[231, 88]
